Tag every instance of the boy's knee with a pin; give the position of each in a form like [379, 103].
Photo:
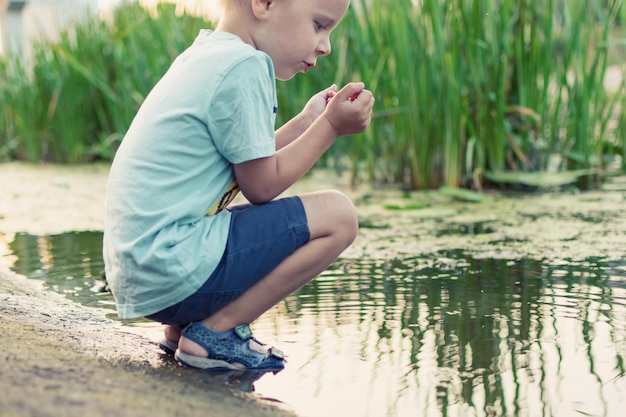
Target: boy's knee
[345, 214]
[329, 213]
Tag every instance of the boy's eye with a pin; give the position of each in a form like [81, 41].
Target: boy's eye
[319, 26]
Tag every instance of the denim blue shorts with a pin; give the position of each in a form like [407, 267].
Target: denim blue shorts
[259, 239]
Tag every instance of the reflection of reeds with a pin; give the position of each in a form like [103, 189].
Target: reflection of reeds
[70, 264]
[484, 334]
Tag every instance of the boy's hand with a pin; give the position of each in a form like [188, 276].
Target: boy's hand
[316, 104]
[349, 111]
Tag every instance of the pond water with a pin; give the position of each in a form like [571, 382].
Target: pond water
[443, 334]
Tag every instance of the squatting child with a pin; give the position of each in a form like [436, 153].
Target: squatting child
[174, 251]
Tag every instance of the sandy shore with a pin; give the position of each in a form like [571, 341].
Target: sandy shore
[62, 359]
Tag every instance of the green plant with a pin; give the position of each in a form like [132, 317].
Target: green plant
[76, 98]
[465, 88]
[468, 93]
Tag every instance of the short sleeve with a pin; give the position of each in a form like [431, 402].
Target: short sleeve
[242, 114]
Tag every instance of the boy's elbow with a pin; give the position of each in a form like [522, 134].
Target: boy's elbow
[257, 180]
[258, 195]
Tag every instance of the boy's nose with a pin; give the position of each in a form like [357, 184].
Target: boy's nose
[324, 47]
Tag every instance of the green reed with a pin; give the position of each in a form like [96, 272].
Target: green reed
[466, 91]
[621, 127]
[465, 88]
[620, 53]
[75, 98]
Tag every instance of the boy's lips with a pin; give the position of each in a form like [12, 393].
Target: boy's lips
[308, 66]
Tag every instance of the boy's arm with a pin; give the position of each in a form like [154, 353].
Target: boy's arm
[296, 126]
[261, 180]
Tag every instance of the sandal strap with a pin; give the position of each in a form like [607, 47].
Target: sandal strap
[244, 332]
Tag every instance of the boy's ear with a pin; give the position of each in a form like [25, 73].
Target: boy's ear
[260, 8]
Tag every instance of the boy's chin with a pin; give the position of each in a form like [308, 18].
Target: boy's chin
[285, 77]
[286, 74]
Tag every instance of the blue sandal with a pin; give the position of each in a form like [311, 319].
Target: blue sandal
[168, 346]
[233, 349]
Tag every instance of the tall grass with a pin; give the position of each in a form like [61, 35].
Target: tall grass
[621, 61]
[467, 91]
[466, 87]
[76, 98]
[621, 127]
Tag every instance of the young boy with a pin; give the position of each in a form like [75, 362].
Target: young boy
[173, 252]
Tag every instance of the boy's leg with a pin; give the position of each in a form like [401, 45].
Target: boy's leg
[172, 332]
[333, 225]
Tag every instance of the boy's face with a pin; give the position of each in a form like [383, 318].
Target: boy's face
[296, 32]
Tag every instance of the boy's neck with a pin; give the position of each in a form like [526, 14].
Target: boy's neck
[239, 23]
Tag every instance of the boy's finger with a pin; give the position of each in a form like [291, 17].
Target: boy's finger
[329, 95]
[350, 90]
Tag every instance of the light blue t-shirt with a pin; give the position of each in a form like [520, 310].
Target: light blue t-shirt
[165, 230]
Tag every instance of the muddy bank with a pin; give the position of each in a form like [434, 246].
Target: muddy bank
[59, 359]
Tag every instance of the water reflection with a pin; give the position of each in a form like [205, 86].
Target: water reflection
[454, 335]
[70, 264]
[441, 335]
